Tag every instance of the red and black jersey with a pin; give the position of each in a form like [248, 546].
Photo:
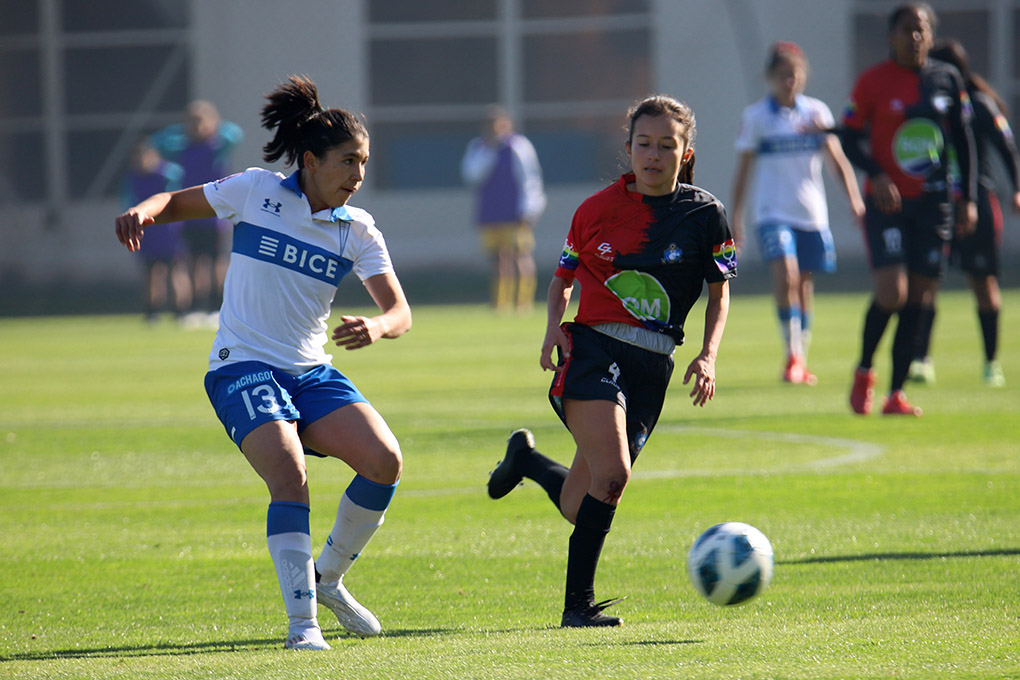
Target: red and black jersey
[642, 260]
[910, 119]
[992, 132]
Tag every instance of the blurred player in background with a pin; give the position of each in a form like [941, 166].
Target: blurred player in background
[904, 116]
[978, 253]
[270, 381]
[784, 137]
[503, 168]
[641, 250]
[163, 254]
[202, 146]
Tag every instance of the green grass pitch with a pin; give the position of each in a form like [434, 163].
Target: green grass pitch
[133, 532]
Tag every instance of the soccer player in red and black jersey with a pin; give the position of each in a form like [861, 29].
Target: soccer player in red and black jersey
[641, 249]
[904, 117]
[977, 254]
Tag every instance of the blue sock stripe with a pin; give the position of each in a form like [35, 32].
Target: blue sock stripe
[805, 321]
[369, 494]
[784, 313]
[286, 517]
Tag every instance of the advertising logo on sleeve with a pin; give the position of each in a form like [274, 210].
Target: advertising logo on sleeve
[643, 296]
[725, 256]
[917, 147]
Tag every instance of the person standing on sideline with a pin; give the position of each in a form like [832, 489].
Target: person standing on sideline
[163, 253]
[904, 117]
[270, 381]
[784, 137]
[641, 249]
[978, 254]
[202, 146]
[503, 168]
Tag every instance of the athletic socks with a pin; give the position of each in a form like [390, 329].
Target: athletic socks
[594, 518]
[546, 472]
[925, 325]
[904, 344]
[805, 331]
[989, 332]
[359, 515]
[875, 321]
[790, 325]
[290, 546]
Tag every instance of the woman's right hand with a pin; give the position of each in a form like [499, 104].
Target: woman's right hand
[554, 337]
[130, 225]
[885, 194]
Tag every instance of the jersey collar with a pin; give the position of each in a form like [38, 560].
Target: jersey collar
[776, 107]
[293, 183]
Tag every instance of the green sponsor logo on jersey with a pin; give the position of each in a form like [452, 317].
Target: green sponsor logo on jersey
[917, 147]
[641, 294]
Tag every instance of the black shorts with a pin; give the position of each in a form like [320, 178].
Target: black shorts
[604, 368]
[917, 236]
[978, 254]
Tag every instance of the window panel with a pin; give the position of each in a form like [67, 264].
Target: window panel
[131, 70]
[434, 71]
[19, 18]
[970, 28]
[871, 41]
[22, 166]
[579, 149]
[587, 66]
[1016, 43]
[419, 155]
[401, 11]
[114, 15]
[544, 9]
[20, 83]
[87, 151]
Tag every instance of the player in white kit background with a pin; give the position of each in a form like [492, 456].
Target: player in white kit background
[784, 140]
[270, 380]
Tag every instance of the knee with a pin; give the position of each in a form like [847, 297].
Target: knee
[891, 299]
[608, 487]
[289, 482]
[385, 466]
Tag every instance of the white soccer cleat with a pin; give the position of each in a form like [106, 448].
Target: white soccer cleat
[351, 615]
[309, 639]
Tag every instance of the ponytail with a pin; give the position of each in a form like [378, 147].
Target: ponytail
[686, 175]
[302, 124]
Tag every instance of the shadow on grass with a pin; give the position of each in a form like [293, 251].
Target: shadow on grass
[869, 557]
[186, 649]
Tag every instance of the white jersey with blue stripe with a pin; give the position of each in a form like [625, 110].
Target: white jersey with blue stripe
[285, 266]
[788, 166]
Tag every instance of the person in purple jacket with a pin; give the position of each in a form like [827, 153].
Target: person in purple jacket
[503, 168]
[201, 145]
[164, 255]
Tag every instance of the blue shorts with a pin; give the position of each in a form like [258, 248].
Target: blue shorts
[250, 393]
[814, 250]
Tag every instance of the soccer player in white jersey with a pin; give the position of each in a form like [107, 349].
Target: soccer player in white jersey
[270, 381]
[784, 138]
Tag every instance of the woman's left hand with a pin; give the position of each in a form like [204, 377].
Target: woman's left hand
[702, 369]
[356, 332]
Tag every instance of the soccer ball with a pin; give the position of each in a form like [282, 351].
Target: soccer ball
[730, 563]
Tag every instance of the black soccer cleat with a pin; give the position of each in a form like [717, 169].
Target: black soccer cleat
[505, 477]
[590, 616]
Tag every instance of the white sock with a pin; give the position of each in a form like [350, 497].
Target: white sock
[292, 556]
[355, 526]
